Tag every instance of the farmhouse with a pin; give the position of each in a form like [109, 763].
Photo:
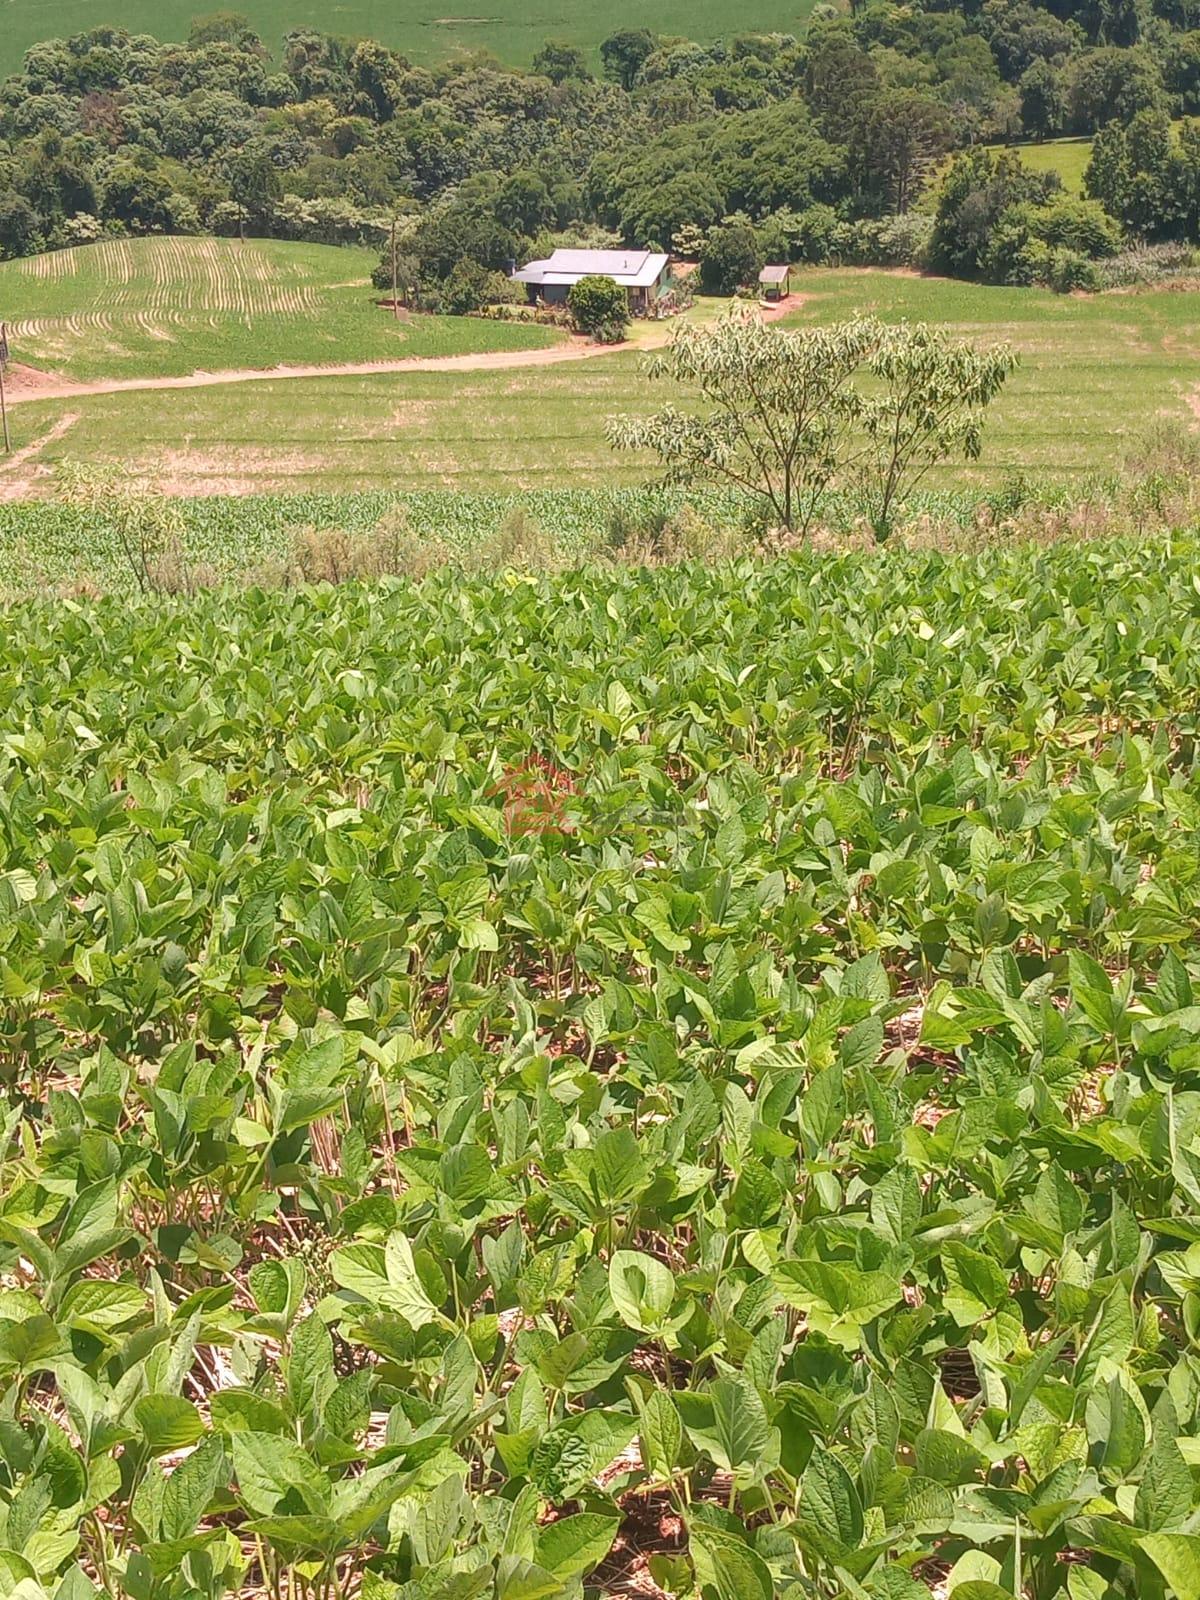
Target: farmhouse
[641, 273]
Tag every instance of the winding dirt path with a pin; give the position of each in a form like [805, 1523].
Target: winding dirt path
[30, 384]
[15, 482]
[44, 387]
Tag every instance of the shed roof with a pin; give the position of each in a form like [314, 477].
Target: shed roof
[632, 269]
[774, 274]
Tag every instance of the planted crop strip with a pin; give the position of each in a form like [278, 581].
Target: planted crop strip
[81, 322]
[52, 264]
[172, 283]
[679, 1081]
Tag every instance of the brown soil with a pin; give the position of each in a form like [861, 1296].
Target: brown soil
[26, 383]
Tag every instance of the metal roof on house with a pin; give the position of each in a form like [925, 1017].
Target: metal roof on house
[773, 275]
[632, 269]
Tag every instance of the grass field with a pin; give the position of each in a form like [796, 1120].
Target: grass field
[422, 31]
[162, 307]
[1068, 157]
[1095, 373]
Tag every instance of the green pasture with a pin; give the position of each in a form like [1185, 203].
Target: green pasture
[425, 32]
[1095, 373]
[1068, 157]
[166, 306]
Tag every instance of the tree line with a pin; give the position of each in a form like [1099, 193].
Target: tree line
[752, 147]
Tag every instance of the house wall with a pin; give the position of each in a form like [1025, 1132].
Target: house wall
[643, 299]
[555, 294]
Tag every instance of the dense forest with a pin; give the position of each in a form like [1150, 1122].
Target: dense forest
[820, 148]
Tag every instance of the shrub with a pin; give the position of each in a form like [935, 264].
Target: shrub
[334, 555]
[1146, 264]
[507, 311]
[813, 235]
[1068, 270]
[471, 286]
[408, 275]
[1083, 226]
[139, 522]
[1013, 254]
[891, 242]
[1052, 244]
[520, 541]
[599, 306]
[1166, 448]
[977, 194]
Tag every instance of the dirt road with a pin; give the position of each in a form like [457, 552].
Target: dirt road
[28, 384]
[19, 469]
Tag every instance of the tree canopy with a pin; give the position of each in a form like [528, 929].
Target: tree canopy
[818, 145]
[783, 414]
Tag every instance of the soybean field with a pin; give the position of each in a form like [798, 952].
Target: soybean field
[676, 1082]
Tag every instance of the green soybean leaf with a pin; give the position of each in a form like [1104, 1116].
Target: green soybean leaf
[642, 1289]
[574, 1545]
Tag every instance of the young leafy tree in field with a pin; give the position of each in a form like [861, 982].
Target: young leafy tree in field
[780, 408]
[926, 402]
[789, 412]
[598, 305]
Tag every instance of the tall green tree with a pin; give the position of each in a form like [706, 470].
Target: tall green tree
[731, 259]
[903, 135]
[623, 53]
[1043, 100]
[559, 62]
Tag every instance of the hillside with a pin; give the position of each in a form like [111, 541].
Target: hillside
[1067, 157]
[600, 897]
[1096, 372]
[513, 32]
[154, 307]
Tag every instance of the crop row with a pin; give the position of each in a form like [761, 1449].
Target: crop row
[54, 543]
[682, 1077]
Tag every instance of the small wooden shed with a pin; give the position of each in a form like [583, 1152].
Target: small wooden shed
[775, 282]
